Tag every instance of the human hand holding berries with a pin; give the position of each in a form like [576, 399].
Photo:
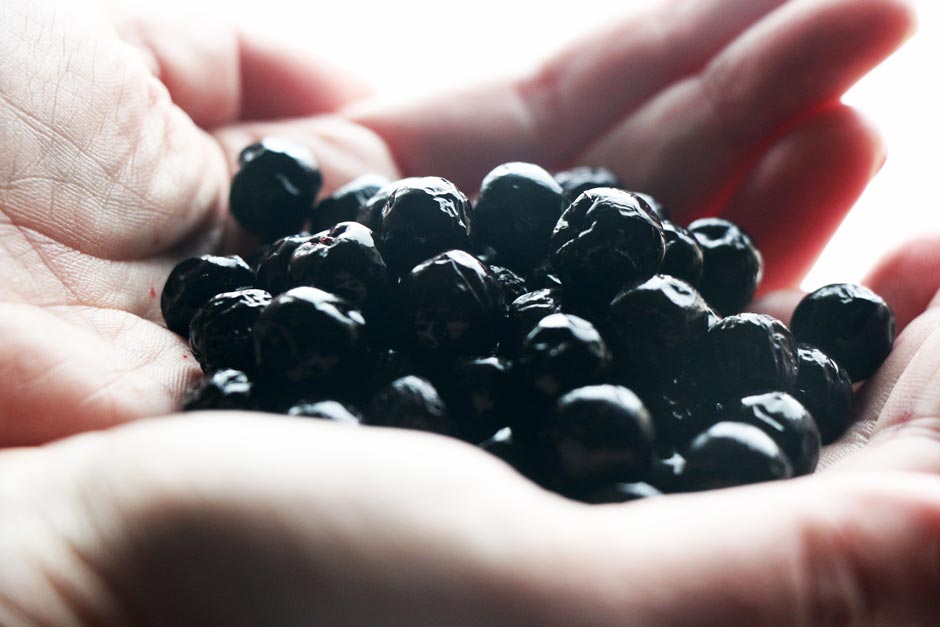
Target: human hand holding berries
[99, 356]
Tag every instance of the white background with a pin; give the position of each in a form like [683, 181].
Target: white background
[398, 45]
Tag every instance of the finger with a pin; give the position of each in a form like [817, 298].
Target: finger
[689, 143]
[219, 73]
[52, 353]
[303, 521]
[549, 116]
[908, 278]
[799, 191]
[898, 409]
[825, 550]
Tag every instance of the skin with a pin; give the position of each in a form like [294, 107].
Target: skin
[119, 137]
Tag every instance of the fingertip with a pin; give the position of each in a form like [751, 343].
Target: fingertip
[908, 278]
[799, 190]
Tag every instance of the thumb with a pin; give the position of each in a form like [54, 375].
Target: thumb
[831, 549]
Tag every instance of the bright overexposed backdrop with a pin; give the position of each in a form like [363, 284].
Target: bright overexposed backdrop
[409, 46]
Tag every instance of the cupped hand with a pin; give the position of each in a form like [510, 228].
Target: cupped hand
[120, 133]
[120, 150]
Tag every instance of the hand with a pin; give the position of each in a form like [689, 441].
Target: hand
[106, 182]
[248, 520]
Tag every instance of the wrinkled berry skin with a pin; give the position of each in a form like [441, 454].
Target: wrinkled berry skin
[410, 403]
[598, 434]
[576, 181]
[481, 395]
[223, 389]
[649, 323]
[345, 203]
[274, 188]
[787, 422]
[825, 389]
[850, 323]
[732, 267]
[220, 334]
[454, 306]
[517, 209]
[561, 353]
[307, 335]
[654, 206]
[525, 312]
[370, 214]
[345, 261]
[274, 265]
[194, 281]
[729, 454]
[421, 218]
[619, 493]
[750, 353]
[604, 240]
[683, 257]
[324, 410]
[513, 285]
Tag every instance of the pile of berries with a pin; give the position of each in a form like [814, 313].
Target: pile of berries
[560, 322]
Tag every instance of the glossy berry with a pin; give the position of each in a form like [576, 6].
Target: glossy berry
[410, 403]
[605, 240]
[620, 493]
[345, 261]
[370, 214]
[576, 181]
[422, 218]
[527, 311]
[850, 323]
[454, 305]
[518, 206]
[513, 285]
[825, 389]
[345, 203]
[683, 258]
[274, 188]
[274, 265]
[482, 396]
[194, 281]
[731, 454]
[652, 204]
[561, 353]
[222, 389]
[598, 434]
[732, 266]
[220, 334]
[750, 353]
[787, 422]
[651, 322]
[307, 335]
[324, 410]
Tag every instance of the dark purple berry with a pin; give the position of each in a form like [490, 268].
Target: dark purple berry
[850, 323]
[194, 281]
[274, 188]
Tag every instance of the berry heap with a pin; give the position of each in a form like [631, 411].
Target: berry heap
[560, 322]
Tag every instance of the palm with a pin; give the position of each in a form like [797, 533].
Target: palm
[105, 183]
